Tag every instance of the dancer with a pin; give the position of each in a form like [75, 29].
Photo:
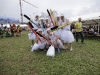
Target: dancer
[55, 41]
[42, 44]
[67, 36]
[58, 23]
[63, 21]
[31, 35]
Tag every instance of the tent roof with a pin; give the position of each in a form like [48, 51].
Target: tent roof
[91, 21]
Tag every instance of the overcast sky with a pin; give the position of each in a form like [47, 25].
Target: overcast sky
[70, 8]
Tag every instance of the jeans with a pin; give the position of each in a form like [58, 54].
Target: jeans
[82, 36]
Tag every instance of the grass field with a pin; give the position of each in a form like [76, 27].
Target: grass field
[16, 58]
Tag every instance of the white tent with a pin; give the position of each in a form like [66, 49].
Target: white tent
[92, 22]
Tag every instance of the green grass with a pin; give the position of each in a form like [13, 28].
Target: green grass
[16, 58]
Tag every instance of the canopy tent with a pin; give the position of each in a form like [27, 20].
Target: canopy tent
[93, 22]
[4, 19]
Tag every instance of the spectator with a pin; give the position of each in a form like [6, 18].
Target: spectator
[14, 30]
[78, 27]
[7, 33]
[96, 31]
[11, 29]
[91, 31]
[1, 32]
[19, 30]
[73, 29]
[2, 28]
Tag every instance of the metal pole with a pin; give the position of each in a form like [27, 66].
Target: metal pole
[21, 11]
[98, 28]
[30, 4]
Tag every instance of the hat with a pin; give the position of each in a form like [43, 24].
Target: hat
[36, 15]
[61, 15]
[58, 16]
[39, 30]
[48, 29]
[46, 18]
[41, 18]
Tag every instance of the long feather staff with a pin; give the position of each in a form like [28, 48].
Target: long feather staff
[43, 26]
[30, 20]
[43, 37]
[53, 16]
[34, 30]
[50, 17]
[55, 27]
[59, 27]
[31, 27]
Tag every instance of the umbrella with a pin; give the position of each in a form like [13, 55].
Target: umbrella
[4, 19]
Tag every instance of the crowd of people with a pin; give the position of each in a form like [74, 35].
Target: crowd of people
[91, 30]
[59, 38]
[13, 30]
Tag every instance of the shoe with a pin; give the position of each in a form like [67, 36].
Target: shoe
[83, 43]
[45, 50]
[66, 47]
[71, 49]
[77, 42]
[58, 50]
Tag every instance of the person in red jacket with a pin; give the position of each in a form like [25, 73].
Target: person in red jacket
[11, 29]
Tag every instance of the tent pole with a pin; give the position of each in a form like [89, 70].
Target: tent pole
[98, 28]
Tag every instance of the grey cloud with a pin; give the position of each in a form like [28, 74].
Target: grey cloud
[11, 7]
[95, 7]
[69, 13]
